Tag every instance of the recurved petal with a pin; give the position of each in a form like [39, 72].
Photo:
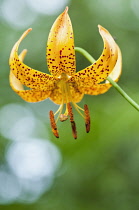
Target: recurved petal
[99, 71]
[60, 46]
[97, 89]
[32, 95]
[117, 70]
[28, 76]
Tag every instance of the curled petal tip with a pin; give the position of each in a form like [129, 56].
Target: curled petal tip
[24, 35]
[66, 9]
[100, 27]
[30, 29]
[24, 51]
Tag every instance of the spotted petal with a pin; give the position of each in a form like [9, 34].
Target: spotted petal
[28, 76]
[99, 71]
[32, 95]
[60, 46]
[97, 89]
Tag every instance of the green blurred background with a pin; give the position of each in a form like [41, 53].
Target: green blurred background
[99, 170]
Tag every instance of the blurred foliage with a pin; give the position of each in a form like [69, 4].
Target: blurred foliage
[100, 170]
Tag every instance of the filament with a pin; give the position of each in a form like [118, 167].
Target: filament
[60, 111]
[77, 108]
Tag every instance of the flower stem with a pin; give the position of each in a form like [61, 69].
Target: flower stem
[115, 85]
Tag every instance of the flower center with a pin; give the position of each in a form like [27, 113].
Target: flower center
[67, 100]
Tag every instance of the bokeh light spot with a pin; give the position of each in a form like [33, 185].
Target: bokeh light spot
[9, 187]
[48, 7]
[16, 120]
[17, 13]
[33, 159]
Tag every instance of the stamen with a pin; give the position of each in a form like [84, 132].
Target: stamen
[87, 118]
[77, 108]
[64, 117]
[60, 111]
[73, 125]
[53, 124]
[60, 107]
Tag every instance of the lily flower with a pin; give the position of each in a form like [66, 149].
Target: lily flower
[65, 86]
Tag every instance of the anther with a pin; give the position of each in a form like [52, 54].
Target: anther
[87, 118]
[73, 125]
[53, 124]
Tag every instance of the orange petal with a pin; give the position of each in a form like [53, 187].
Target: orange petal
[60, 46]
[117, 70]
[97, 89]
[28, 76]
[99, 71]
[32, 95]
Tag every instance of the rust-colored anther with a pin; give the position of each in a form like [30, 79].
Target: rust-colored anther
[74, 131]
[53, 124]
[87, 118]
[73, 125]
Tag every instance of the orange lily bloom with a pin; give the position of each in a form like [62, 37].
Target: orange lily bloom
[65, 85]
